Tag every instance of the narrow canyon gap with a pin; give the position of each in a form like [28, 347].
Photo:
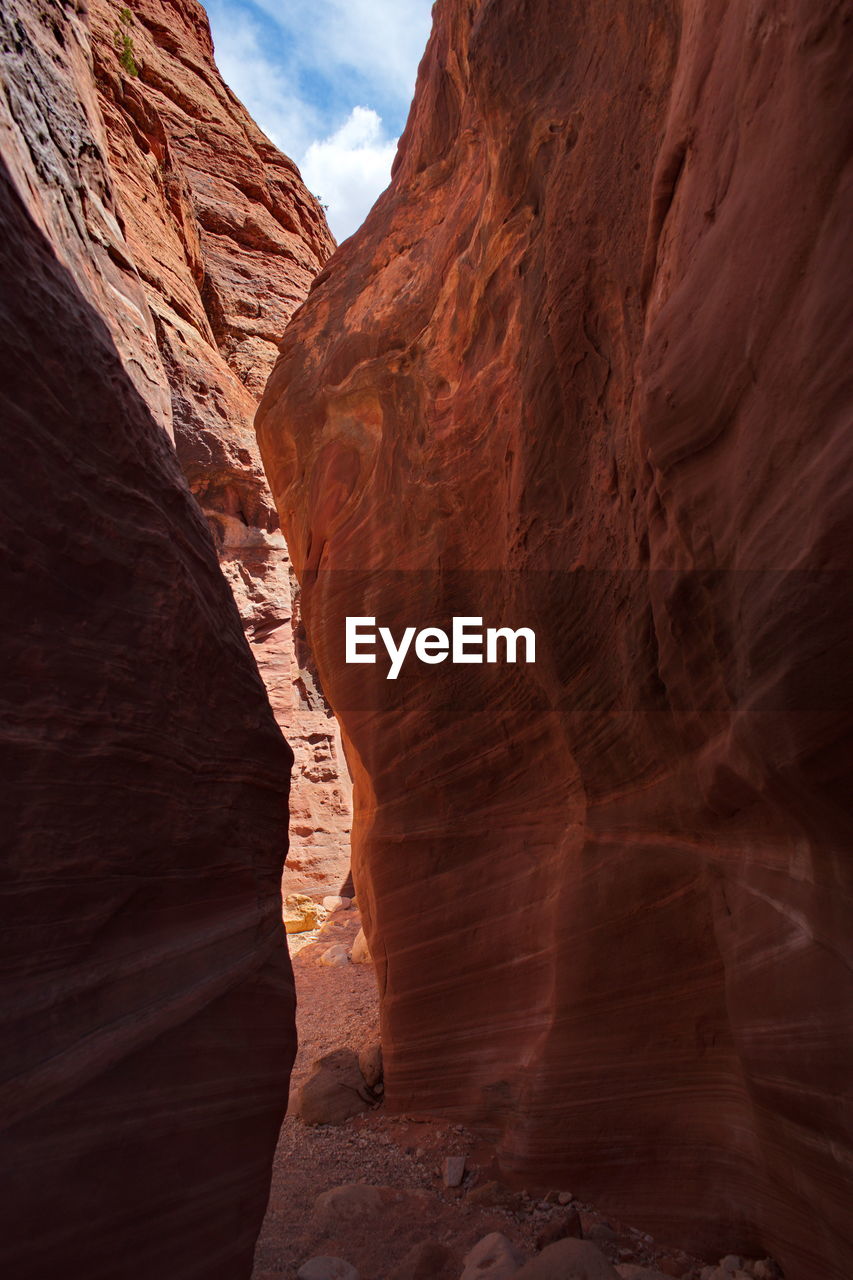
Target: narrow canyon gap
[586, 368]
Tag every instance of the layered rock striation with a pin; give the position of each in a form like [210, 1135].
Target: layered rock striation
[226, 241]
[585, 369]
[147, 1003]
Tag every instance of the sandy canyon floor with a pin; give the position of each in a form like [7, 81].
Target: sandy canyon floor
[418, 1229]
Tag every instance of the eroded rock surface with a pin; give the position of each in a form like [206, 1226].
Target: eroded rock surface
[226, 241]
[583, 369]
[147, 1004]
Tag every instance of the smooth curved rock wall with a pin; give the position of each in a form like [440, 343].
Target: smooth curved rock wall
[147, 1002]
[584, 368]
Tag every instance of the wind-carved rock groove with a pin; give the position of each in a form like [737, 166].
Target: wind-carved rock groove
[582, 369]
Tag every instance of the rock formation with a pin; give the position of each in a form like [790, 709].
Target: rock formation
[147, 1005]
[583, 369]
[226, 240]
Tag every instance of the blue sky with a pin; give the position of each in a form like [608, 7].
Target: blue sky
[330, 82]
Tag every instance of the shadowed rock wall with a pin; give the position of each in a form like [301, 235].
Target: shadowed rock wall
[585, 368]
[147, 1003]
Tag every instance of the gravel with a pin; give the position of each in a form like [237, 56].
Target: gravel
[339, 1008]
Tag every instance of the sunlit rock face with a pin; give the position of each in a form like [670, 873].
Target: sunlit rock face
[147, 1004]
[226, 240]
[583, 369]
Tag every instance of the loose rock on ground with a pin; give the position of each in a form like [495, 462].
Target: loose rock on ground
[368, 1191]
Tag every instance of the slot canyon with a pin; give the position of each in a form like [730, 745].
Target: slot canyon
[571, 939]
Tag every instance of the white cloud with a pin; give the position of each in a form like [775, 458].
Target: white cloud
[304, 68]
[380, 40]
[349, 169]
[262, 85]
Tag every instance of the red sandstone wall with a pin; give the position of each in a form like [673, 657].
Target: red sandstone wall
[147, 1002]
[585, 368]
[226, 241]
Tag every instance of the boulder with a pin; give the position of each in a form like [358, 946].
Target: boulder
[492, 1258]
[360, 953]
[302, 913]
[338, 1208]
[370, 1063]
[334, 1090]
[731, 1267]
[766, 1269]
[569, 1260]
